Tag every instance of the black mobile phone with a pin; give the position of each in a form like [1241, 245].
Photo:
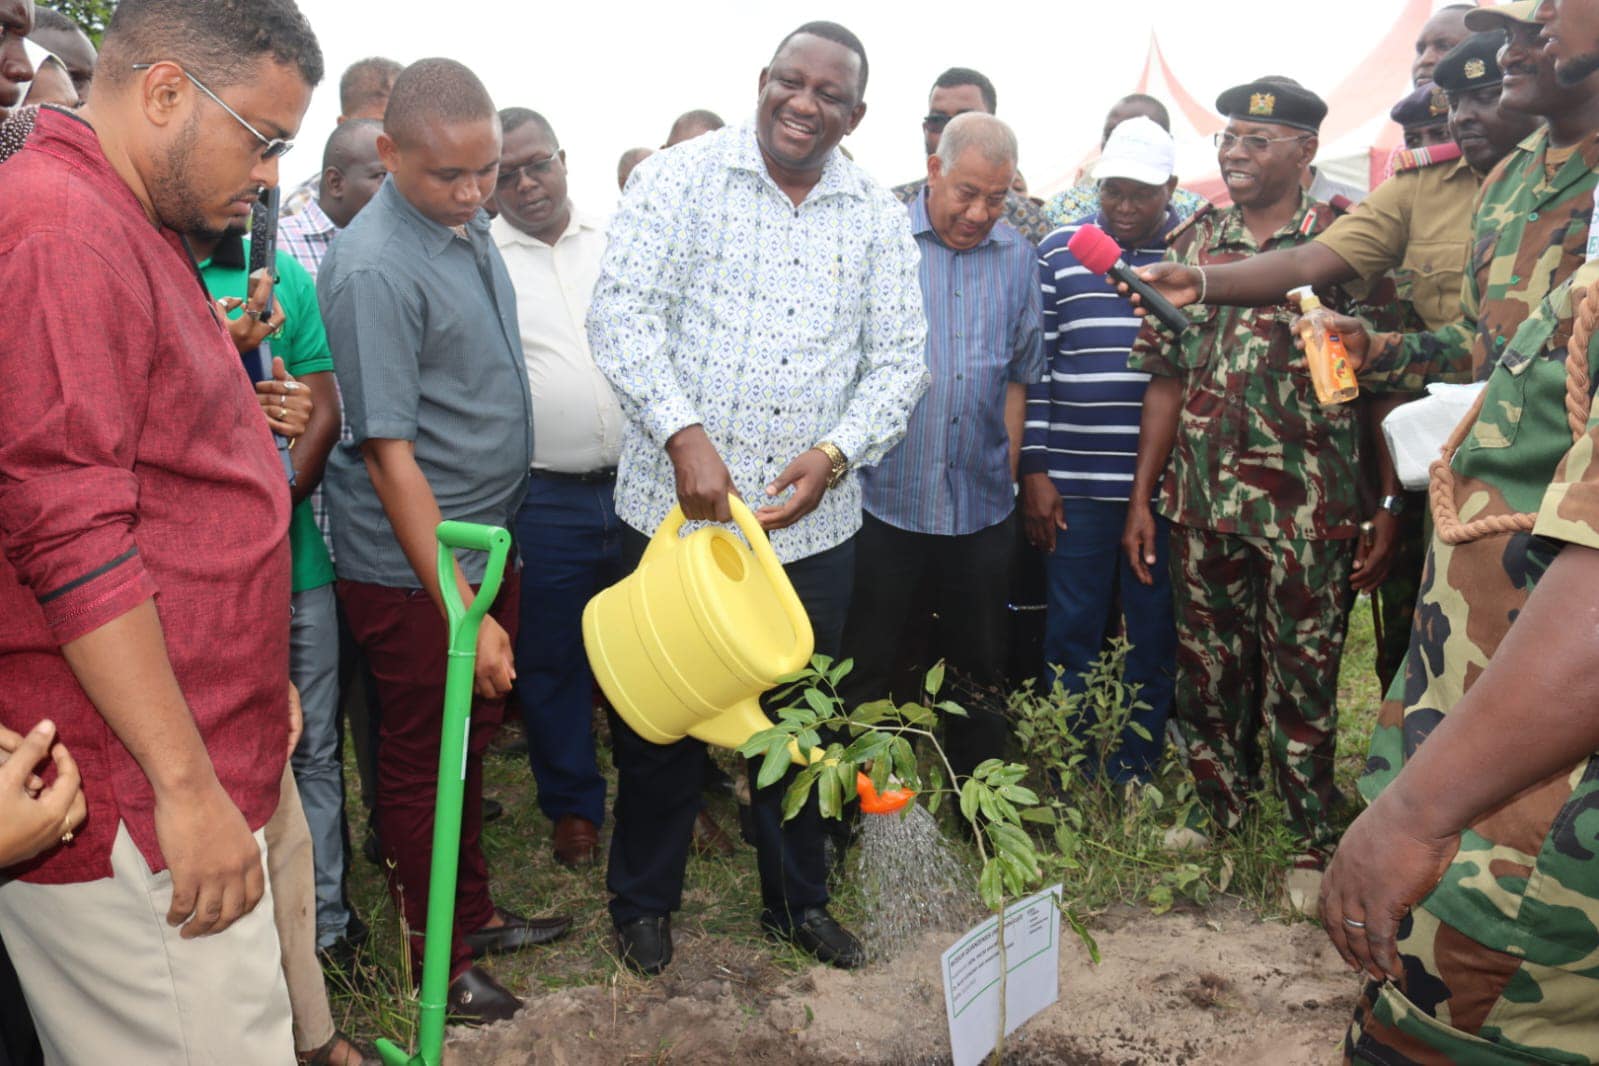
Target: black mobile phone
[264, 236]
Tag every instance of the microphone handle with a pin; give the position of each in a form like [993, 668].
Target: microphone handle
[1156, 304]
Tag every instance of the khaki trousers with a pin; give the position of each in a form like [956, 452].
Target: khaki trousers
[292, 878]
[109, 981]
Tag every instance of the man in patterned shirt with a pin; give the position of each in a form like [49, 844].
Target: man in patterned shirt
[956, 92]
[759, 314]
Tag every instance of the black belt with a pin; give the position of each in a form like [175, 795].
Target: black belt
[586, 477]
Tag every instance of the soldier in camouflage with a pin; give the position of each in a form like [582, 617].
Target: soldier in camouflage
[1531, 224]
[1262, 491]
[1468, 891]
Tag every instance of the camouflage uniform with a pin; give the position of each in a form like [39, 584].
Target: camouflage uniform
[1531, 232]
[1417, 224]
[1262, 491]
[1500, 959]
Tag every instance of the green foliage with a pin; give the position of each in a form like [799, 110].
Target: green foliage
[875, 738]
[1110, 840]
[92, 15]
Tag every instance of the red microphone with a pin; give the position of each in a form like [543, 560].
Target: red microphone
[1099, 252]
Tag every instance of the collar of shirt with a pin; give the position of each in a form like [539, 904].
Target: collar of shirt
[228, 253]
[1233, 233]
[838, 178]
[922, 222]
[503, 233]
[1155, 242]
[435, 238]
[316, 219]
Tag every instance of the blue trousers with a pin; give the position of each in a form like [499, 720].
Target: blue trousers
[1084, 573]
[318, 775]
[570, 541]
[659, 787]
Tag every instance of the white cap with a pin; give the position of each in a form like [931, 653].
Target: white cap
[1138, 150]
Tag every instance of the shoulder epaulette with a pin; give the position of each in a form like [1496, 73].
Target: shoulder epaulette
[1430, 155]
[1186, 225]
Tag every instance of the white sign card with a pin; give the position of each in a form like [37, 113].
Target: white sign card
[971, 974]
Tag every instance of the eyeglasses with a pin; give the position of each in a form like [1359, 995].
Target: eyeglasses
[1253, 142]
[535, 168]
[936, 122]
[271, 147]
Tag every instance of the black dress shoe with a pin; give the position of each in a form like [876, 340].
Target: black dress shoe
[476, 998]
[817, 933]
[517, 933]
[492, 810]
[645, 944]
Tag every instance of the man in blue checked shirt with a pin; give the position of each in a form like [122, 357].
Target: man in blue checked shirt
[1082, 441]
[758, 315]
[938, 508]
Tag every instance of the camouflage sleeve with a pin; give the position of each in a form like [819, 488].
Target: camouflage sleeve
[1570, 508]
[1154, 350]
[1406, 362]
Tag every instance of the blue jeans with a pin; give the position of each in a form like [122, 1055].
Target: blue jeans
[570, 540]
[318, 774]
[1084, 572]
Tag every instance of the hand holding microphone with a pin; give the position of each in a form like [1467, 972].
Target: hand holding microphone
[1100, 254]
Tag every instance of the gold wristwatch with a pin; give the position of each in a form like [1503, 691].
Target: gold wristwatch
[837, 458]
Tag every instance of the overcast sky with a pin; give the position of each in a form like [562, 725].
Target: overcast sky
[611, 76]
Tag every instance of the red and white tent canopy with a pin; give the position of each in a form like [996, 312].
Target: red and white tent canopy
[1357, 136]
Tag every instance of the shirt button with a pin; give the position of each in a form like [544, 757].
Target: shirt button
[957, 293]
[791, 312]
[1533, 217]
[777, 410]
[954, 420]
[959, 376]
[959, 335]
[785, 360]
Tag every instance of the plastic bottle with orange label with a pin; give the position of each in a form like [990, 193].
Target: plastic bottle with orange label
[1329, 366]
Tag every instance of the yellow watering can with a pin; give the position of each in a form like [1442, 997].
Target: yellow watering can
[686, 644]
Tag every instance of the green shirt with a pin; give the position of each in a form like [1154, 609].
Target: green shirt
[303, 347]
[1530, 232]
[1525, 880]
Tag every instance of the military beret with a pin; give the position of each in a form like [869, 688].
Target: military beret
[1471, 64]
[1494, 18]
[1421, 108]
[1282, 101]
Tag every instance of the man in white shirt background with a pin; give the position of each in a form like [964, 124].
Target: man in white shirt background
[567, 529]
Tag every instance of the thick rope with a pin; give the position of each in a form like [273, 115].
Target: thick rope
[1579, 401]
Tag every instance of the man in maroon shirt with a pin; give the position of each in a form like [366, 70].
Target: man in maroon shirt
[144, 584]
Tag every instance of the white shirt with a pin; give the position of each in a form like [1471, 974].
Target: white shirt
[773, 326]
[577, 423]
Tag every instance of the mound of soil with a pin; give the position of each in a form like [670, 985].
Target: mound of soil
[1212, 987]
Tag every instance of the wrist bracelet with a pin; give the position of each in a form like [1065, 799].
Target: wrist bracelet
[836, 459]
[1204, 285]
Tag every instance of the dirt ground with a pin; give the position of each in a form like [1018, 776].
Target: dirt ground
[1191, 988]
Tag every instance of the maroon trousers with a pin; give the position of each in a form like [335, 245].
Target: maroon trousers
[405, 639]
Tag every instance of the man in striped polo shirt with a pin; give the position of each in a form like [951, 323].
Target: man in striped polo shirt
[938, 508]
[1081, 442]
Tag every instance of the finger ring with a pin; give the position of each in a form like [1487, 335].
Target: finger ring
[282, 412]
[1354, 924]
[66, 838]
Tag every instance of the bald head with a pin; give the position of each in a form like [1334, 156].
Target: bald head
[984, 134]
[365, 86]
[352, 170]
[630, 159]
[432, 93]
[692, 124]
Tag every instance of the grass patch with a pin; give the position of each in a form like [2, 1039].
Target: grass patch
[1113, 857]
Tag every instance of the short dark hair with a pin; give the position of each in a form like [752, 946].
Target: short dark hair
[366, 81]
[1160, 115]
[337, 152]
[48, 18]
[514, 118]
[217, 39]
[434, 88]
[831, 31]
[958, 76]
[700, 118]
